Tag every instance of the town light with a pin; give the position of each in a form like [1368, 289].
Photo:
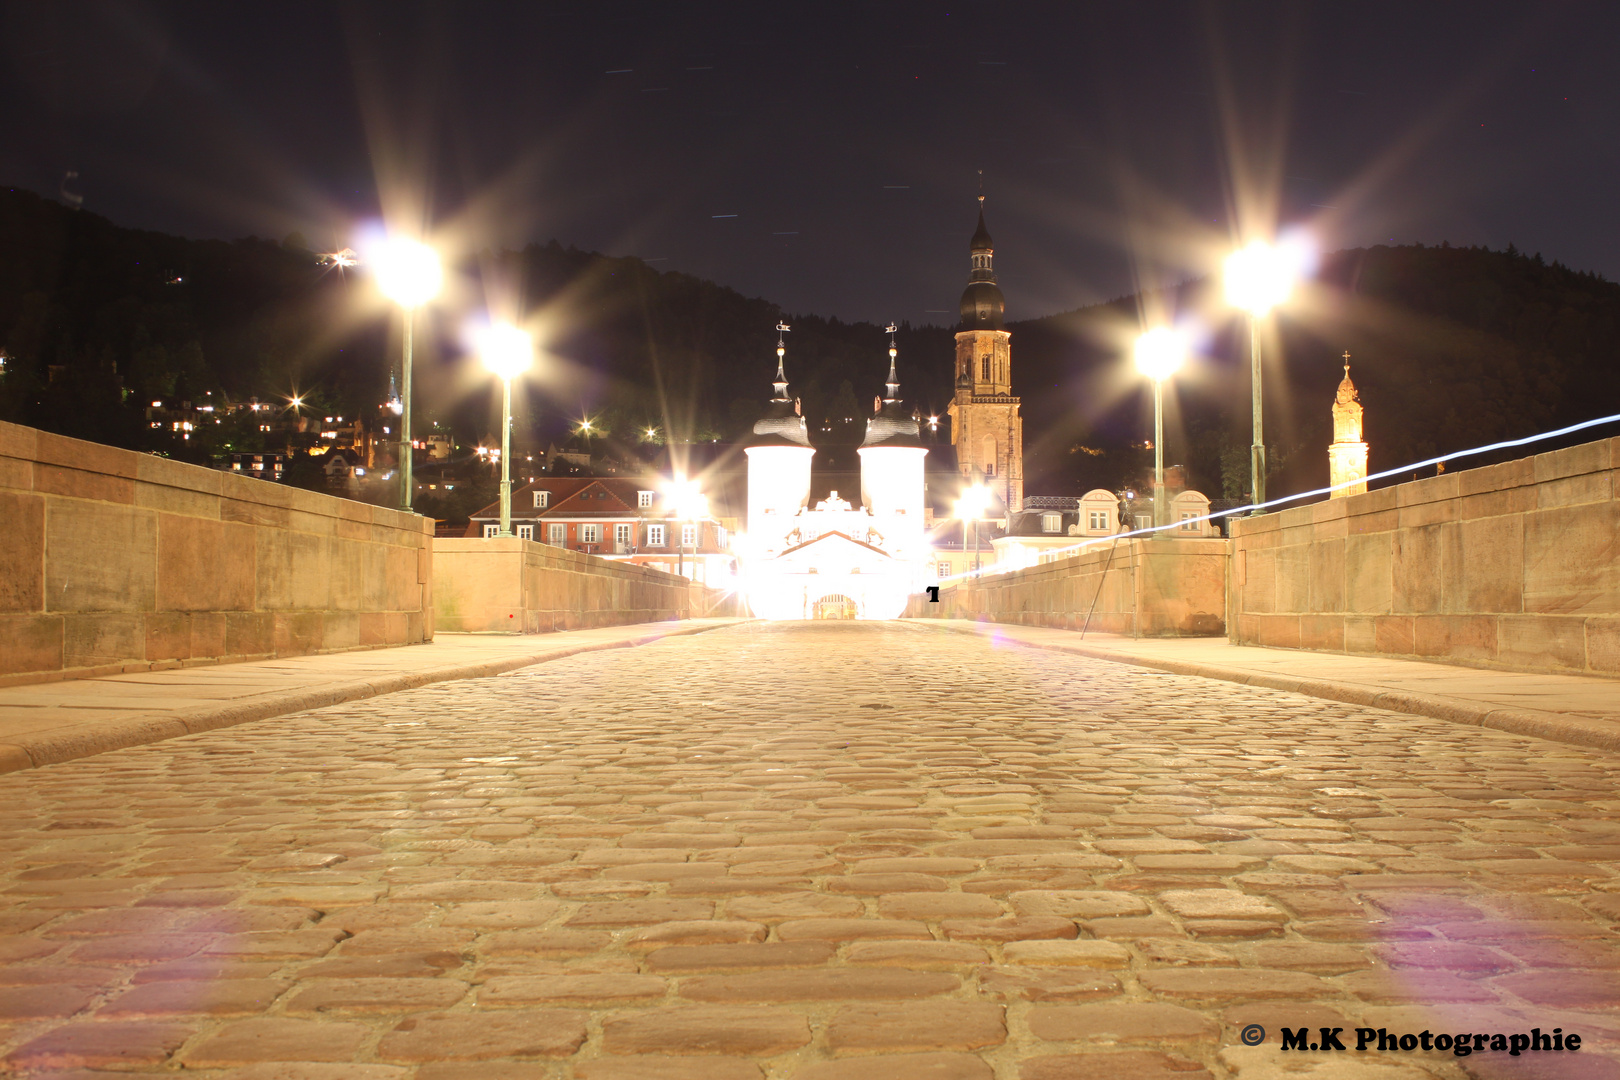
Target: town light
[409, 274]
[686, 502]
[507, 352]
[970, 506]
[1159, 355]
[1259, 278]
[1160, 352]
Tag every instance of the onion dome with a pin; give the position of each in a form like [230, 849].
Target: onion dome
[983, 306]
[890, 424]
[782, 424]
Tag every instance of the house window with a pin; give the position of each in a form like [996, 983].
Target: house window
[557, 534]
[621, 535]
[944, 569]
[689, 535]
[984, 369]
[1051, 523]
[655, 536]
[491, 530]
[719, 538]
[542, 499]
[1144, 521]
[1097, 520]
[644, 500]
[525, 532]
[590, 534]
[1189, 522]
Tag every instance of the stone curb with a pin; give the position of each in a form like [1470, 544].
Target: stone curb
[84, 740]
[1555, 727]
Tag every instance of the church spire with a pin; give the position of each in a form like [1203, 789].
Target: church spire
[894, 382]
[781, 383]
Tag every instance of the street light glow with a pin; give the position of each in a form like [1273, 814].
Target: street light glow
[506, 350]
[408, 271]
[1160, 352]
[1260, 276]
[972, 503]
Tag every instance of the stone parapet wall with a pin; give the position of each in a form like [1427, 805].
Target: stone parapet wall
[1513, 566]
[504, 584]
[1149, 588]
[112, 560]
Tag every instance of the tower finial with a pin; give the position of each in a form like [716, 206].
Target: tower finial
[894, 382]
[981, 187]
[1347, 363]
[781, 352]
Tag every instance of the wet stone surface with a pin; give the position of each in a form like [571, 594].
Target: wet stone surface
[718, 856]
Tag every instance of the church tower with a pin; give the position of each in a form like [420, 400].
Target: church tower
[1347, 457]
[986, 429]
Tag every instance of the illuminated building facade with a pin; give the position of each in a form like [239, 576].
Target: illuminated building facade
[834, 560]
[1347, 456]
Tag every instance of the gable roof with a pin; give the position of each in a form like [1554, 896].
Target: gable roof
[573, 496]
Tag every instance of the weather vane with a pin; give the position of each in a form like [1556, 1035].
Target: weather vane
[781, 346]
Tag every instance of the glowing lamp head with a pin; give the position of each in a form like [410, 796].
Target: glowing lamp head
[972, 503]
[408, 272]
[505, 349]
[685, 498]
[1261, 276]
[1160, 352]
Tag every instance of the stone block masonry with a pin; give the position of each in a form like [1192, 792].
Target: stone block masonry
[508, 585]
[1147, 588]
[115, 561]
[1511, 566]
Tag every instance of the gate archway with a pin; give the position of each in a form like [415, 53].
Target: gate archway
[835, 606]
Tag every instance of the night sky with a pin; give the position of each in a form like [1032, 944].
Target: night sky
[826, 156]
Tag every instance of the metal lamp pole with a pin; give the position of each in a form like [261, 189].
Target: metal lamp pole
[1257, 452]
[506, 457]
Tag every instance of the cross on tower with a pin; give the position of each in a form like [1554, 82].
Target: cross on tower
[1347, 363]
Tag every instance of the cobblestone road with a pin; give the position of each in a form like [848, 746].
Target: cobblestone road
[823, 852]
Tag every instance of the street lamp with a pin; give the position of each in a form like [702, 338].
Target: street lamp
[409, 274]
[1258, 278]
[1159, 353]
[969, 506]
[687, 503]
[507, 352]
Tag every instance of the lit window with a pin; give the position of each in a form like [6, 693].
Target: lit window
[644, 500]
[542, 499]
[491, 530]
[1097, 520]
[621, 535]
[590, 534]
[689, 535]
[1051, 523]
[525, 532]
[557, 534]
[655, 536]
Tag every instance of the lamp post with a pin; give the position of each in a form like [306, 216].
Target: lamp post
[687, 503]
[409, 274]
[1159, 354]
[507, 352]
[968, 507]
[1258, 278]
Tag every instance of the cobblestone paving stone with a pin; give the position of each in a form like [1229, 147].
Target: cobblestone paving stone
[811, 852]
